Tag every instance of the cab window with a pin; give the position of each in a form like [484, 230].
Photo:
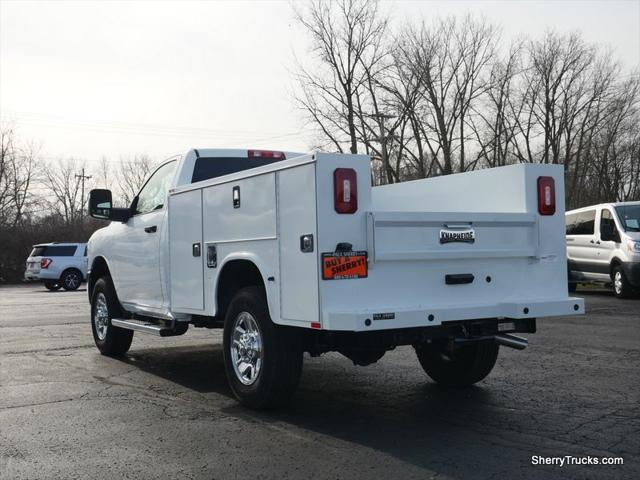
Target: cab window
[154, 193]
[606, 221]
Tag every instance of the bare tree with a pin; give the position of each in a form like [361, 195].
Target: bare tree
[16, 176]
[556, 84]
[450, 62]
[65, 187]
[492, 123]
[131, 174]
[346, 36]
[7, 155]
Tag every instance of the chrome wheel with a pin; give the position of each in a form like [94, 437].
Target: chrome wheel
[618, 282]
[101, 316]
[246, 348]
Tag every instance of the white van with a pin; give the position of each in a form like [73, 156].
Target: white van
[603, 246]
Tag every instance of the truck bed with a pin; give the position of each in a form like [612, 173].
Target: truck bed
[515, 266]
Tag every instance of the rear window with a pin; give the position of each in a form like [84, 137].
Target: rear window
[582, 223]
[37, 252]
[54, 251]
[212, 167]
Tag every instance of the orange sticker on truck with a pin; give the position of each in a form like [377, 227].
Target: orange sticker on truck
[344, 265]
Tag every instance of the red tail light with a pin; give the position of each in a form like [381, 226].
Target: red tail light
[345, 190]
[546, 196]
[45, 262]
[266, 154]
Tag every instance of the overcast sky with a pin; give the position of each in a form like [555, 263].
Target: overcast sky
[111, 78]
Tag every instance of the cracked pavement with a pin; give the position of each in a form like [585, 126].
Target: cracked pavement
[165, 411]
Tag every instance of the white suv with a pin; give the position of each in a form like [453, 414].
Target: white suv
[58, 265]
[603, 246]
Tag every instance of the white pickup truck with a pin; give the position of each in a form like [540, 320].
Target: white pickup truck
[292, 253]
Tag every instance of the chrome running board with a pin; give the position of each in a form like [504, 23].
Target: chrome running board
[148, 327]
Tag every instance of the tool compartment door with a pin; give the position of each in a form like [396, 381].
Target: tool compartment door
[186, 252]
[298, 269]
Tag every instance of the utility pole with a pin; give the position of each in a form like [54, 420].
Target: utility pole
[83, 177]
[380, 119]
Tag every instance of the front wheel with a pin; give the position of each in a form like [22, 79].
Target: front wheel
[263, 361]
[621, 286]
[457, 365]
[110, 340]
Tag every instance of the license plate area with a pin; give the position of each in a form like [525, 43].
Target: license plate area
[344, 265]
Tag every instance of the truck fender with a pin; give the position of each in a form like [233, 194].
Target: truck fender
[269, 286]
[99, 267]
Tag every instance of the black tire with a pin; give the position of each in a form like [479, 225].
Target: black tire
[112, 341]
[71, 279]
[280, 353]
[53, 286]
[621, 286]
[465, 365]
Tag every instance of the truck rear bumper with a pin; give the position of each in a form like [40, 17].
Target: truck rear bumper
[393, 318]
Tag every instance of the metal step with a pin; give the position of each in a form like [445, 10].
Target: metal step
[144, 326]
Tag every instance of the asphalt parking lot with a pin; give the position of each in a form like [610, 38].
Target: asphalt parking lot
[165, 410]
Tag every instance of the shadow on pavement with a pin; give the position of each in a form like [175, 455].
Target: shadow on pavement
[418, 422]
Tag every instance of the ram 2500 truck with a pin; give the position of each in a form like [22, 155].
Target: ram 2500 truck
[292, 253]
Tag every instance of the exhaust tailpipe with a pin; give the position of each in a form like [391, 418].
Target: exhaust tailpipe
[512, 341]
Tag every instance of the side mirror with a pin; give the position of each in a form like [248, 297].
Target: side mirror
[101, 206]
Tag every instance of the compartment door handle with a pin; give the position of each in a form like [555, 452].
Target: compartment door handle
[458, 278]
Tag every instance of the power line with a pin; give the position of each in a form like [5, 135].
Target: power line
[140, 128]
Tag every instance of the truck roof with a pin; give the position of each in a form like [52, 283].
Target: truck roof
[239, 152]
[59, 244]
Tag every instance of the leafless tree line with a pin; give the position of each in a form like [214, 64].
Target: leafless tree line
[447, 95]
[42, 200]
[32, 187]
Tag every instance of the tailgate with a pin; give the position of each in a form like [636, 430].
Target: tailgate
[425, 268]
[452, 258]
[405, 236]
[33, 266]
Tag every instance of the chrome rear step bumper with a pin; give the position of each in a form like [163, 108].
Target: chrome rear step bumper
[512, 341]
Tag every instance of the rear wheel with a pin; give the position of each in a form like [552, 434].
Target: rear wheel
[53, 286]
[621, 286]
[110, 340]
[263, 361]
[71, 279]
[459, 366]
